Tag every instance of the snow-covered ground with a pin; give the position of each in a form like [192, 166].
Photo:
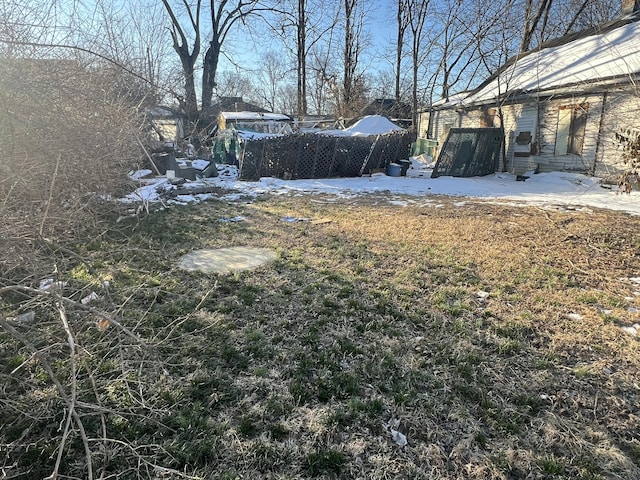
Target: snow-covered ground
[556, 189]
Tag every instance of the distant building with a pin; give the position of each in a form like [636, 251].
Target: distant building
[167, 125]
[261, 122]
[398, 112]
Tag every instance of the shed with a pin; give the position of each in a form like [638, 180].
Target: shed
[167, 124]
[274, 123]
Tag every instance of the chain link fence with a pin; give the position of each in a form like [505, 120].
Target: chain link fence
[313, 155]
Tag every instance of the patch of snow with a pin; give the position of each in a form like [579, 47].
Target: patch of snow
[138, 174]
[256, 116]
[555, 190]
[633, 330]
[200, 164]
[149, 193]
[249, 135]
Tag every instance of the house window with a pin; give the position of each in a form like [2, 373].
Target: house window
[572, 122]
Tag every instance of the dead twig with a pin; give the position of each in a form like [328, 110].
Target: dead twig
[50, 199]
[61, 391]
[97, 313]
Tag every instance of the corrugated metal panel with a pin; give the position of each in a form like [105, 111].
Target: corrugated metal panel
[469, 152]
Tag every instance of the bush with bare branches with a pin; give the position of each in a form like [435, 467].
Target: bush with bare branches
[67, 141]
[630, 142]
[69, 135]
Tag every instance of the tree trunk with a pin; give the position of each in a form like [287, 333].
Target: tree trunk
[347, 83]
[401, 29]
[414, 93]
[190, 99]
[210, 68]
[302, 58]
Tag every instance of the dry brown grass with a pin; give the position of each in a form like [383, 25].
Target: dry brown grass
[372, 319]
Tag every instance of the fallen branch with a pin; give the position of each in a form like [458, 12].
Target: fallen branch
[98, 313]
[61, 391]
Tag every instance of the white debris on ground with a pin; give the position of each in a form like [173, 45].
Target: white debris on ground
[89, 298]
[398, 437]
[555, 190]
[50, 284]
[633, 330]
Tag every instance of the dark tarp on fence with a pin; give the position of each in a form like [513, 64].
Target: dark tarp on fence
[469, 152]
[317, 155]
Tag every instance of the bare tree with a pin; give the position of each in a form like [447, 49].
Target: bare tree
[272, 73]
[586, 13]
[352, 79]
[129, 40]
[416, 16]
[547, 19]
[301, 57]
[324, 79]
[187, 37]
[402, 19]
[532, 16]
[460, 41]
[234, 84]
[310, 20]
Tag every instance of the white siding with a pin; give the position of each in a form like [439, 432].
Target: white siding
[423, 124]
[518, 119]
[621, 114]
[553, 137]
[442, 121]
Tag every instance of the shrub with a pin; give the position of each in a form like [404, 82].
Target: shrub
[68, 140]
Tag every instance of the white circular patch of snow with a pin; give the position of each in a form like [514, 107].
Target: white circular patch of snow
[224, 260]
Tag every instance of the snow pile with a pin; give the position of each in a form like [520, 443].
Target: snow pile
[255, 116]
[373, 125]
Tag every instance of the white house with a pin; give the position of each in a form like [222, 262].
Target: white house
[565, 106]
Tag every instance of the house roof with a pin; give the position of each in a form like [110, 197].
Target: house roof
[254, 116]
[608, 54]
[388, 107]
